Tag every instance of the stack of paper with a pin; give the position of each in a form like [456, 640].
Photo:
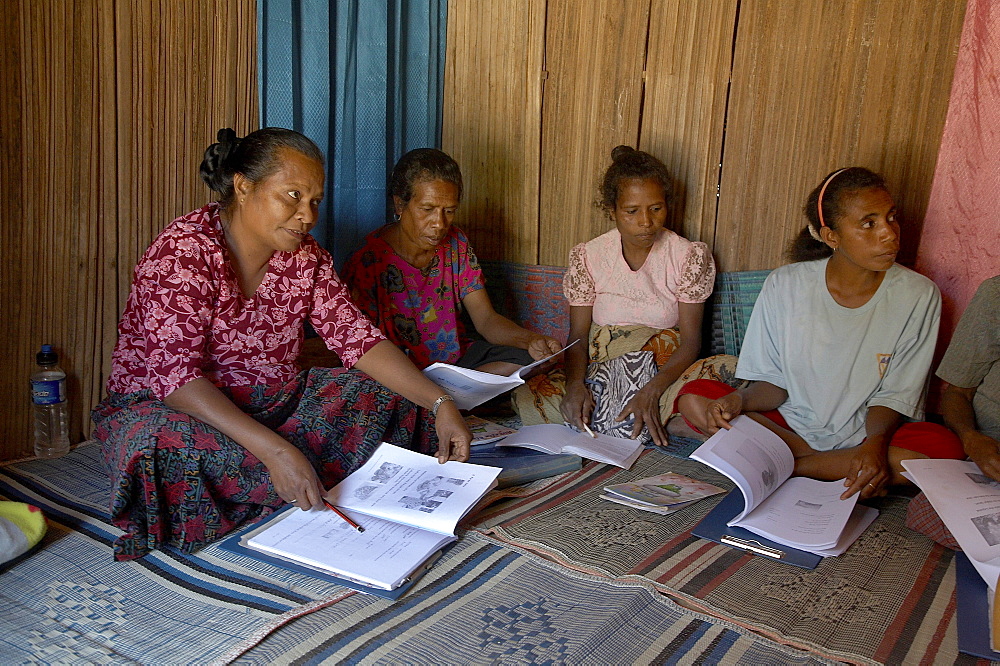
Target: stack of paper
[551, 438]
[968, 502]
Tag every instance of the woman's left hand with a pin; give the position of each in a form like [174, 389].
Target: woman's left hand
[454, 438]
[869, 472]
[645, 407]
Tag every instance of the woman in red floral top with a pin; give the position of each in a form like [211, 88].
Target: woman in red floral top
[208, 422]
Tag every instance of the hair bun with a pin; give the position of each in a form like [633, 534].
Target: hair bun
[619, 152]
[212, 168]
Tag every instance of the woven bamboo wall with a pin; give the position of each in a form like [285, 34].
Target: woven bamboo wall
[113, 104]
[822, 84]
[814, 84]
[492, 120]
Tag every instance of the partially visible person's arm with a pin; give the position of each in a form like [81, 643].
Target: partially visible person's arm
[390, 367]
[578, 403]
[502, 331]
[959, 415]
[645, 404]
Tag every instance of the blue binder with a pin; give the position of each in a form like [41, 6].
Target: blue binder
[973, 612]
[714, 528]
[232, 544]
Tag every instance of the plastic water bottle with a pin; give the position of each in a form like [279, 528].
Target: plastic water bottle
[48, 393]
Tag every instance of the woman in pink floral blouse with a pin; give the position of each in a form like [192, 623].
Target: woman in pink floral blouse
[415, 276]
[208, 423]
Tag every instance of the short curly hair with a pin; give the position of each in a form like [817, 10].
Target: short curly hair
[627, 163]
[422, 165]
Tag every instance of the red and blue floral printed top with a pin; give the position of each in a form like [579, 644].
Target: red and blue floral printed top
[417, 309]
[186, 316]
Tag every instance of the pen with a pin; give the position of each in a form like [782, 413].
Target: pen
[753, 546]
[344, 516]
[589, 431]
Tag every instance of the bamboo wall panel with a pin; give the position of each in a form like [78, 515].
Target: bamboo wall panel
[594, 56]
[115, 102]
[822, 84]
[683, 114]
[492, 121]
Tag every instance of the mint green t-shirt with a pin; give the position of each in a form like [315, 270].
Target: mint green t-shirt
[836, 362]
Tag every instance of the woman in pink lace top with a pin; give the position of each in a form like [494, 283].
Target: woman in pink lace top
[638, 287]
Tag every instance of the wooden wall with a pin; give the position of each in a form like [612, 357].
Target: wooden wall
[107, 109]
[748, 102]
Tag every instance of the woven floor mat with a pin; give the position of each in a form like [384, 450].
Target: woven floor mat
[889, 599]
[491, 604]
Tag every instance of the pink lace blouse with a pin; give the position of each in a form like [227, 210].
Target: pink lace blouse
[186, 316]
[676, 271]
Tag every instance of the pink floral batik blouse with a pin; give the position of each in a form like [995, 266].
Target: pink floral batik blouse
[186, 316]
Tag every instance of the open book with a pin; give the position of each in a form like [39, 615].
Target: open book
[408, 504]
[472, 387]
[802, 513]
[552, 438]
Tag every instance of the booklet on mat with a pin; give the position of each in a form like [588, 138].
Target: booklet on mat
[661, 494]
[552, 438]
[801, 513]
[968, 503]
[484, 432]
[472, 387]
[409, 505]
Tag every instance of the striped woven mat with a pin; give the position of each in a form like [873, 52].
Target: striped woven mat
[491, 604]
[69, 602]
[889, 599]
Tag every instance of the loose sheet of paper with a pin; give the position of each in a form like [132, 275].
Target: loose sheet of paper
[967, 500]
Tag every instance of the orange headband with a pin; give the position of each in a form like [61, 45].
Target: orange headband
[819, 200]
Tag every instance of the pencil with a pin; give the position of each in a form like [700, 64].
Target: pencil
[344, 516]
[589, 431]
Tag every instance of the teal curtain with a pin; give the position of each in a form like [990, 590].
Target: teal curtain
[364, 79]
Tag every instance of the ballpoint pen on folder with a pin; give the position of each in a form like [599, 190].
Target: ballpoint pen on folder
[589, 431]
[752, 545]
[344, 516]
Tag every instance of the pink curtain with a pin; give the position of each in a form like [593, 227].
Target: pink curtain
[960, 245]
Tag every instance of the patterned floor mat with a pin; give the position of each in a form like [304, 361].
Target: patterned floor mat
[889, 599]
